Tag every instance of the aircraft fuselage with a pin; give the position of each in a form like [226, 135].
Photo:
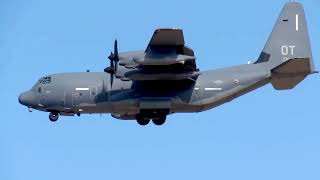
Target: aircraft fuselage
[90, 92]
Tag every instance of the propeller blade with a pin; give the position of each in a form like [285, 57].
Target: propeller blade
[116, 48]
[114, 59]
[116, 67]
[111, 80]
[111, 57]
[116, 55]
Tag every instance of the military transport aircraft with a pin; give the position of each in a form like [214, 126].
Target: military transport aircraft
[163, 79]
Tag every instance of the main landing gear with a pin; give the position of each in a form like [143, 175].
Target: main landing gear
[142, 120]
[159, 121]
[54, 116]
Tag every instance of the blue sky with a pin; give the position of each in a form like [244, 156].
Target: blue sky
[266, 134]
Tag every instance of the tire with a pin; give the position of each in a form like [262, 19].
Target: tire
[159, 121]
[142, 120]
[54, 116]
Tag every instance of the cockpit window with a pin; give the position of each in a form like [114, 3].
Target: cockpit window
[45, 80]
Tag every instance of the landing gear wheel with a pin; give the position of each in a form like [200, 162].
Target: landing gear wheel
[54, 116]
[159, 121]
[142, 120]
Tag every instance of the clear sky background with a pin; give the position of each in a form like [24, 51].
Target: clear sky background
[266, 134]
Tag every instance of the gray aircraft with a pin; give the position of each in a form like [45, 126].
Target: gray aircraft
[164, 79]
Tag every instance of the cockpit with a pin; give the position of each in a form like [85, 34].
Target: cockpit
[37, 97]
[45, 80]
[42, 81]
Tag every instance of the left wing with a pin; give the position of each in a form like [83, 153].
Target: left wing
[165, 58]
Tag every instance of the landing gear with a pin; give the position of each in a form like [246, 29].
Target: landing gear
[159, 121]
[54, 116]
[142, 120]
[158, 116]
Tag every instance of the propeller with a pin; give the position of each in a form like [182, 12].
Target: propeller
[114, 59]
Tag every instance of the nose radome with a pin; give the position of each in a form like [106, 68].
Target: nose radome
[27, 98]
[23, 98]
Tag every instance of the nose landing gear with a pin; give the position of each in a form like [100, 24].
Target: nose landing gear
[54, 116]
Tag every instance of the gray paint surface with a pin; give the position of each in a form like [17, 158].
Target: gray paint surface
[158, 80]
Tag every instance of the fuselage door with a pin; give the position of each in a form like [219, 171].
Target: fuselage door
[93, 93]
[68, 100]
[197, 95]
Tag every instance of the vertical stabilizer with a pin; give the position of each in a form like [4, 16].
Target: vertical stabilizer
[287, 52]
[289, 38]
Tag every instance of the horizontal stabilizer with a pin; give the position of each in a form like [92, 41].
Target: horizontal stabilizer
[290, 73]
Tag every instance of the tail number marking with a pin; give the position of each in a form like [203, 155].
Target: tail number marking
[287, 50]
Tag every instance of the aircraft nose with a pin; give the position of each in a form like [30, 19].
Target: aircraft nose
[27, 98]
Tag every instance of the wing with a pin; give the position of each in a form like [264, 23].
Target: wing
[165, 58]
[166, 37]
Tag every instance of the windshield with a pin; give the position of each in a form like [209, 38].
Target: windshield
[45, 80]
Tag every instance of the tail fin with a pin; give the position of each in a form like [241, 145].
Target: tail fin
[287, 52]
